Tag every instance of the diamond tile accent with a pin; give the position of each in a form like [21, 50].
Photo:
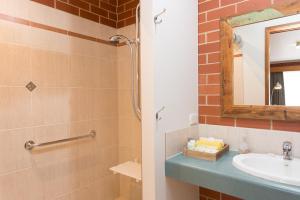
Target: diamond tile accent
[31, 86]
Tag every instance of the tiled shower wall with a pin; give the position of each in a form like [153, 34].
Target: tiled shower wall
[129, 126]
[113, 13]
[210, 12]
[77, 91]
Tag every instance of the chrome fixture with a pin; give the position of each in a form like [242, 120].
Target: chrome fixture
[237, 39]
[157, 115]
[137, 25]
[134, 70]
[287, 150]
[29, 145]
[157, 19]
[277, 87]
[298, 44]
[134, 49]
[118, 39]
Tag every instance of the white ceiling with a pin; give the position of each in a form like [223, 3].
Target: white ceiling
[283, 46]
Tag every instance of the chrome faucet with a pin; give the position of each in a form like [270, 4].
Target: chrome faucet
[287, 150]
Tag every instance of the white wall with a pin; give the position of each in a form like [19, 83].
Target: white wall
[147, 100]
[253, 37]
[169, 78]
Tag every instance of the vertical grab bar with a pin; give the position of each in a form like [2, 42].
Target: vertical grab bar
[136, 65]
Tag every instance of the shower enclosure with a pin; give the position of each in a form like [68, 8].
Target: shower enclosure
[70, 95]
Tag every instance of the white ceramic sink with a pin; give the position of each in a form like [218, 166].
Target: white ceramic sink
[269, 166]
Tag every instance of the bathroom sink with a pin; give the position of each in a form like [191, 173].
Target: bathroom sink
[269, 166]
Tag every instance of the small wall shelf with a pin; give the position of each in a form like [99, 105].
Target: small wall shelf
[130, 169]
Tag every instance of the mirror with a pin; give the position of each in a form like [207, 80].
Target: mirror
[267, 62]
[261, 63]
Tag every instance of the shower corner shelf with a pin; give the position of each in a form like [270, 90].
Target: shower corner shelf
[130, 169]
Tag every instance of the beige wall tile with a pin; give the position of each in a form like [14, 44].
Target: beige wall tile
[125, 133]
[15, 109]
[78, 70]
[80, 104]
[106, 52]
[109, 74]
[50, 41]
[65, 197]
[94, 72]
[105, 103]
[110, 158]
[88, 192]
[110, 188]
[125, 104]
[58, 178]
[124, 73]
[12, 153]
[14, 65]
[14, 33]
[126, 154]
[21, 185]
[85, 71]
[52, 106]
[49, 69]
[84, 47]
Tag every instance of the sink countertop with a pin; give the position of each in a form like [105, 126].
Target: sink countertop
[222, 176]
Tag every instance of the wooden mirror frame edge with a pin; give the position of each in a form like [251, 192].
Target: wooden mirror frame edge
[228, 109]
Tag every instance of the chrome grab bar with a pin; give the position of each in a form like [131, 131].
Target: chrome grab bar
[29, 145]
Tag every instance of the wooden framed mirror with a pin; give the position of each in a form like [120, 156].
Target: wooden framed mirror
[260, 61]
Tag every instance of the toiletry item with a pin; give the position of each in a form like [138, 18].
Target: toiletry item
[201, 152]
[244, 148]
[210, 143]
[207, 145]
[191, 144]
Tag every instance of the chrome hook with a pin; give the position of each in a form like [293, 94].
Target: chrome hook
[158, 118]
[158, 20]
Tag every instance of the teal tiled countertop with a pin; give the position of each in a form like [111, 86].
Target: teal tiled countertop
[222, 176]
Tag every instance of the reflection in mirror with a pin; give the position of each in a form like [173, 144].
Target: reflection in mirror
[266, 62]
[284, 65]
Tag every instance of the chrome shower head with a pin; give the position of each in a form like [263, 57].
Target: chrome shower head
[115, 38]
[118, 39]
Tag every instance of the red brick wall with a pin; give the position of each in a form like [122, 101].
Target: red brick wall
[126, 12]
[113, 13]
[210, 12]
[206, 194]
